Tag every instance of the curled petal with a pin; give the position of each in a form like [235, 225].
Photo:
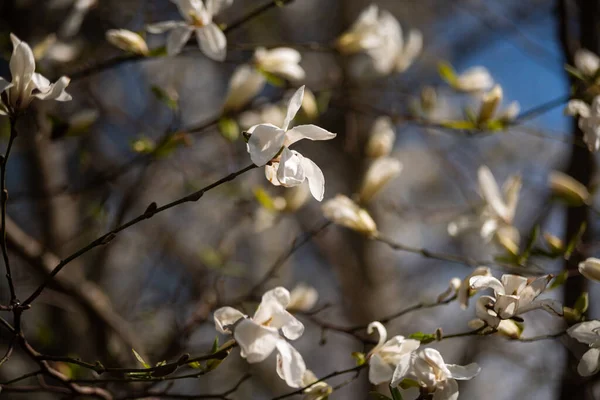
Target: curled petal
[264, 144]
[256, 341]
[316, 179]
[290, 364]
[290, 172]
[212, 42]
[485, 282]
[378, 326]
[225, 317]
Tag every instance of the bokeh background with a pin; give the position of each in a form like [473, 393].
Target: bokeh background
[157, 282]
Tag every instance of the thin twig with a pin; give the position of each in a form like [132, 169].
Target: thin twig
[3, 203]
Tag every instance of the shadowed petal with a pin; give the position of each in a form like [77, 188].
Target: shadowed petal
[311, 132]
[264, 143]
[256, 341]
[212, 42]
[177, 39]
[316, 179]
[290, 172]
[293, 107]
[290, 364]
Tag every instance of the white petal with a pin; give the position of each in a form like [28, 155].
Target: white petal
[549, 305]
[311, 132]
[212, 42]
[189, 8]
[316, 179]
[506, 305]
[590, 362]
[226, 316]
[484, 313]
[161, 27]
[216, 6]
[586, 62]
[433, 358]
[412, 49]
[485, 282]
[447, 390]
[586, 332]
[271, 311]
[271, 173]
[55, 91]
[533, 290]
[402, 369]
[379, 370]
[381, 331]
[246, 82]
[264, 144]
[465, 372]
[4, 84]
[290, 364]
[293, 107]
[303, 297]
[177, 38]
[290, 172]
[22, 65]
[256, 341]
[279, 294]
[491, 192]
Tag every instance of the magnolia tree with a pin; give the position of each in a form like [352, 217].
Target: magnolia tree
[70, 331]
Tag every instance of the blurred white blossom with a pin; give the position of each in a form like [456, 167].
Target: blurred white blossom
[474, 79]
[127, 40]
[589, 120]
[303, 298]
[381, 138]
[379, 173]
[283, 62]
[317, 390]
[489, 109]
[588, 332]
[260, 335]
[343, 211]
[434, 376]
[26, 83]
[586, 62]
[384, 357]
[513, 295]
[198, 19]
[506, 327]
[269, 145]
[590, 268]
[568, 188]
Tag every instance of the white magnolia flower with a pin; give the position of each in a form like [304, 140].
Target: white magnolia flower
[589, 333]
[464, 291]
[249, 79]
[427, 367]
[127, 40]
[260, 335]
[586, 62]
[378, 34]
[567, 187]
[489, 107]
[590, 268]
[198, 19]
[589, 120]
[496, 217]
[270, 144]
[381, 138]
[343, 211]
[303, 298]
[507, 327]
[474, 79]
[387, 353]
[317, 390]
[452, 290]
[513, 295]
[26, 83]
[380, 172]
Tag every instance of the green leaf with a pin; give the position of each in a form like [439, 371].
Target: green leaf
[143, 145]
[273, 79]
[215, 345]
[408, 383]
[447, 72]
[378, 396]
[582, 303]
[158, 52]
[229, 129]
[424, 338]
[360, 358]
[559, 280]
[140, 359]
[164, 97]
[196, 365]
[575, 241]
[396, 395]
[459, 125]
[212, 258]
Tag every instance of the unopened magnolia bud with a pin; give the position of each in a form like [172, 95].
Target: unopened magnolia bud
[474, 79]
[381, 140]
[343, 211]
[489, 104]
[127, 41]
[303, 298]
[428, 99]
[453, 286]
[246, 82]
[555, 243]
[568, 189]
[590, 268]
[509, 238]
[381, 171]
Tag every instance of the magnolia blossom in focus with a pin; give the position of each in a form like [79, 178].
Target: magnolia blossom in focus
[586, 62]
[381, 138]
[465, 291]
[380, 172]
[249, 79]
[384, 357]
[269, 145]
[317, 390]
[434, 376]
[590, 268]
[589, 333]
[260, 335]
[198, 19]
[127, 40]
[589, 120]
[378, 34]
[303, 298]
[513, 295]
[568, 188]
[474, 79]
[26, 83]
[343, 211]
[496, 217]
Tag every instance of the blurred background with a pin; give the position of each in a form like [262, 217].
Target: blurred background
[88, 166]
